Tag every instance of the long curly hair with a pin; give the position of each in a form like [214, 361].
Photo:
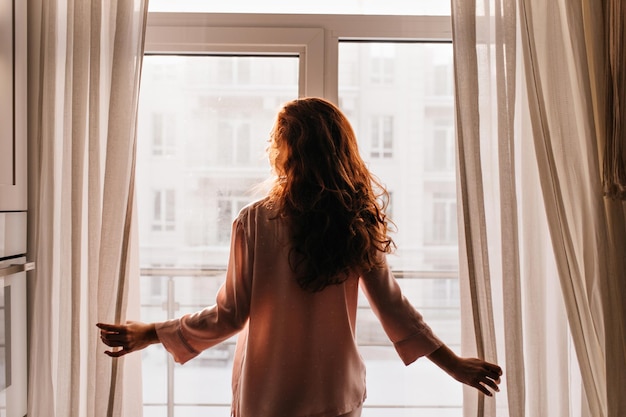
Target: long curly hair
[334, 205]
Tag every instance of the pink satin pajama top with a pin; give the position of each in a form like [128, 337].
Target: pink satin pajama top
[296, 354]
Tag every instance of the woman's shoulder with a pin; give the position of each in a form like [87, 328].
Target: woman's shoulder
[259, 220]
[260, 208]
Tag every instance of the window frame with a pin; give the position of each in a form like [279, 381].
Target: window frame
[314, 38]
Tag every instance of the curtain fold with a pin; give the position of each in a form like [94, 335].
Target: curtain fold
[605, 42]
[539, 73]
[552, 124]
[504, 56]
[555, 272]
[587, 230]
[614, 167]
[85, 63]
[475, 284]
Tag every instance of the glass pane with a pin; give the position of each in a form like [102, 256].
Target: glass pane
[214, 114]
[221, 131]
[219, 113]
[398, 97]
[366, 7]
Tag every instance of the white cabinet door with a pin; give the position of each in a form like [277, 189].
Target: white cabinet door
[13, 347]
[13, 105]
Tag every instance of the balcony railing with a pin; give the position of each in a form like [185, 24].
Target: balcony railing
[173, 390]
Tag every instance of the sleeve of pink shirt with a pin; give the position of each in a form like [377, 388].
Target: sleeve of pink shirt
[189, 335]
[403, 324]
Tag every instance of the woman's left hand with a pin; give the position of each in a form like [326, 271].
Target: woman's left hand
[477, 373]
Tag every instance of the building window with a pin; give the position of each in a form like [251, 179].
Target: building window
[228, 207]
[382, 61]
[444, 219]
[234, 142]
[382, 137]
[443, 80]
[164, 210]
[224, 218]
[163, 134]
[443, 154]
[156, 287]
[234, 71]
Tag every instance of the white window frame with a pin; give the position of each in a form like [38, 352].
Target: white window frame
[175, 33]
[314, 38]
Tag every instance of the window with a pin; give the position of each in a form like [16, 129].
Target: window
[228, 207]
[382, 137]
[218, 160]
[156, 288]
[163, 130]
[234, 143]
[235, 72]
[382, 61]
[441, 156]
[164, 210]
[442, 85]
[444, 220]
[229, 74]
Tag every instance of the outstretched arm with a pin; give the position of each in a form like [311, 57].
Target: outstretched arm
[130, 337]
[483, 376]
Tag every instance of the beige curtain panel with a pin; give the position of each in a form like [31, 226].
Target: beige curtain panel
[539, 110]
[84, 66]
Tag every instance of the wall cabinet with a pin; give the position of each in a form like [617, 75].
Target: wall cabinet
[13, 208]
[13, 72]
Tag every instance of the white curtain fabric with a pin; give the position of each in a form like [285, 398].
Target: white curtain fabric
[545, 277]
[475, 70]
[84, 67]
[564, 55]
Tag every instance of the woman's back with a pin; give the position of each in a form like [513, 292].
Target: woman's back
[298, 355]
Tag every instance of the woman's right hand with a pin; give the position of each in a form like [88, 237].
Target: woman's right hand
[130, 337]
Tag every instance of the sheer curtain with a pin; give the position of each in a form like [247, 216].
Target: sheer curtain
[84, 67]
[545, 277]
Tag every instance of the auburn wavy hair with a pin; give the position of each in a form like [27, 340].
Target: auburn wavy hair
[334, 205]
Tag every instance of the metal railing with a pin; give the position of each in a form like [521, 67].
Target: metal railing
[169, 303]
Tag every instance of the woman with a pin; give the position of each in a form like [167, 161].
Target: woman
[297, 259]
